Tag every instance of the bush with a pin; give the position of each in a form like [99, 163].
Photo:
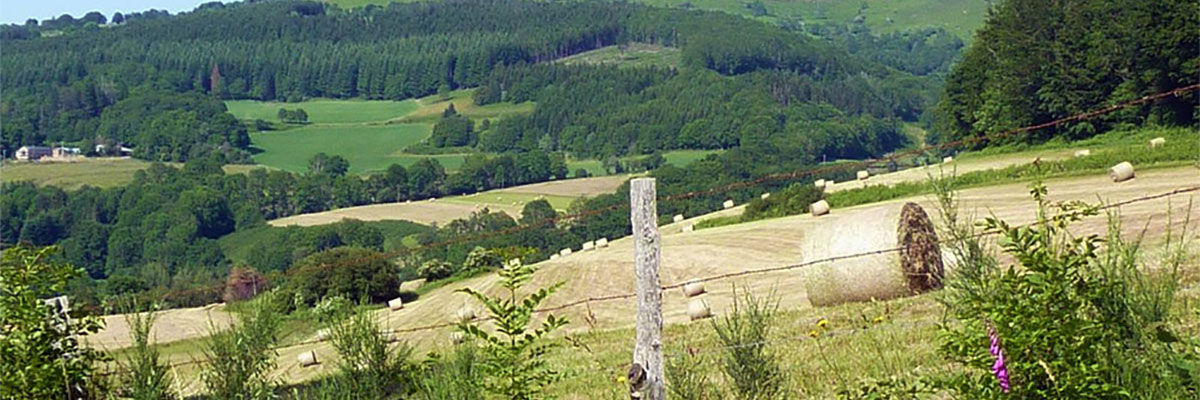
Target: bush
[791, 201]
[1068, 320]
[42, 358]
[688, 377]
[435, 269]
[456, 376]
[147, 377]
[350, 272]
[751, 368]
[240, 359]
[515, 356]
[368, 369]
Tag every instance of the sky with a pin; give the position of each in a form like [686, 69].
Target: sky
[17, 11]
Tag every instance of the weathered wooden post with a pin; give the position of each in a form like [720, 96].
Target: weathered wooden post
[646, 373]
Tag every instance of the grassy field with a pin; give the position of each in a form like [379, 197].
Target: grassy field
[367, 147]
[679, 158]
[960, 17]
[325, 111]
[98, 172]
[511, 199]
[631, 55]
[429, 109]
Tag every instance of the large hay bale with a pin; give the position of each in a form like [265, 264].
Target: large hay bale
[413, 285]
[863, 175]
[1121, 172]
[321, 335]
[698, 309]
[602, 242]
[395, 304]
[693, 289]
[565, 252]
[727, 204]
[1158, 141]
[765, 196]
[820, 183]
[1083, 153]
[677, 218]
[307, 359]
[689, 228]
[588, 245]
[554, 256]
[916, 268]
[947, 160]
[821, 207]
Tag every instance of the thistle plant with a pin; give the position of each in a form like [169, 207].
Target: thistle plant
[515, 355]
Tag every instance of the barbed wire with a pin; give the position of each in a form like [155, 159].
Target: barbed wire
[791, 175]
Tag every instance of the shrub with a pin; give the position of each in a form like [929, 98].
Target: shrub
[368, 369]
[515, 356]
[455, 376]
[352, 272]
[688, 377]
[147, 377]
[1068, 320]
[435, 269]
[752, 370]
[240, 359]
[41, 359]
[791, 201]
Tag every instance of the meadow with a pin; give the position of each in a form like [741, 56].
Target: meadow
[98, 172]
[633, 55]
[367, 147]
[678, 158]
[324, 111]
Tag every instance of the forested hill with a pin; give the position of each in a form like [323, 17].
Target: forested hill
[57, 88]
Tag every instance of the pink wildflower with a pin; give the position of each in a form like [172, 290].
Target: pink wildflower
[999, 368]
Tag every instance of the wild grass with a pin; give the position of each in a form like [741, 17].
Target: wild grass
[632, 55]
[366, 147]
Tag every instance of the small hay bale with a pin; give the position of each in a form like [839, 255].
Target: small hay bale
[693, 289]
[727, 204]
[1082, 153]
[396, 304]
[457, 337]
[698, 309]
[821, 207]
[1158, 141]
[765, 196]
[820, 183]
[413, 285]
[565, 252]
[588, 245]
[1121, 172]
[863, 175]
[677, 218]
[829, 182]
[465, 315]
[602, 242]
[689, 228]
[307, 359]
[321, 335]
[947, 160]
[554, 256]
[916, 268]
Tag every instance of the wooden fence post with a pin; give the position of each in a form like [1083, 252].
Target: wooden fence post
[646, 373]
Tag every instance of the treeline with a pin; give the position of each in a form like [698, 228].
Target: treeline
[1036, 61]
[919, 51]
[598, 112]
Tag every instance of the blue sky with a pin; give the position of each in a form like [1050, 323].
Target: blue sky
[17, 11]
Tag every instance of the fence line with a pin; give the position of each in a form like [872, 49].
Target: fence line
[796, 174]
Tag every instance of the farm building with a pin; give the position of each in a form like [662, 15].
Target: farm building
[63, 152]
[32, 152]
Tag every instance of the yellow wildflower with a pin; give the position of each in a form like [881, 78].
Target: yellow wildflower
[814, 333]
[823, 323]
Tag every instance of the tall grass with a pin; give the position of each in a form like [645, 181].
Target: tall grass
[752, 369]
[147, 377]
[240, 359]
[368, 368]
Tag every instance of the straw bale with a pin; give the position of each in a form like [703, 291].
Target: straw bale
[1121, 172]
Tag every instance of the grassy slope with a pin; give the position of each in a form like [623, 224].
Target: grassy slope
[633, 55]
[239, 244]
[960, 17]
[326, 111]
[99, 172]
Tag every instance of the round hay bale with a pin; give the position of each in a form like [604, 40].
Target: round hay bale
[457, 337]
[727, 204]
[1083, 153]
[307, 359]
[820, 183]
[947, 160]
[821, 207]
[677, 218]
[565, 252]
[765, 196]
[588, 245]
[321, 335]
[395, 304]
[689, 228]
[863, 175]
[698, 309]
[465, 315]
[602, 242]
[916, 268]
[693, 289]
[1121, 172]
[554, 256]
[1158, 141]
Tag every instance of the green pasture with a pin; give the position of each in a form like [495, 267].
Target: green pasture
[366, 147]
[631, 55]
[324, 111]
